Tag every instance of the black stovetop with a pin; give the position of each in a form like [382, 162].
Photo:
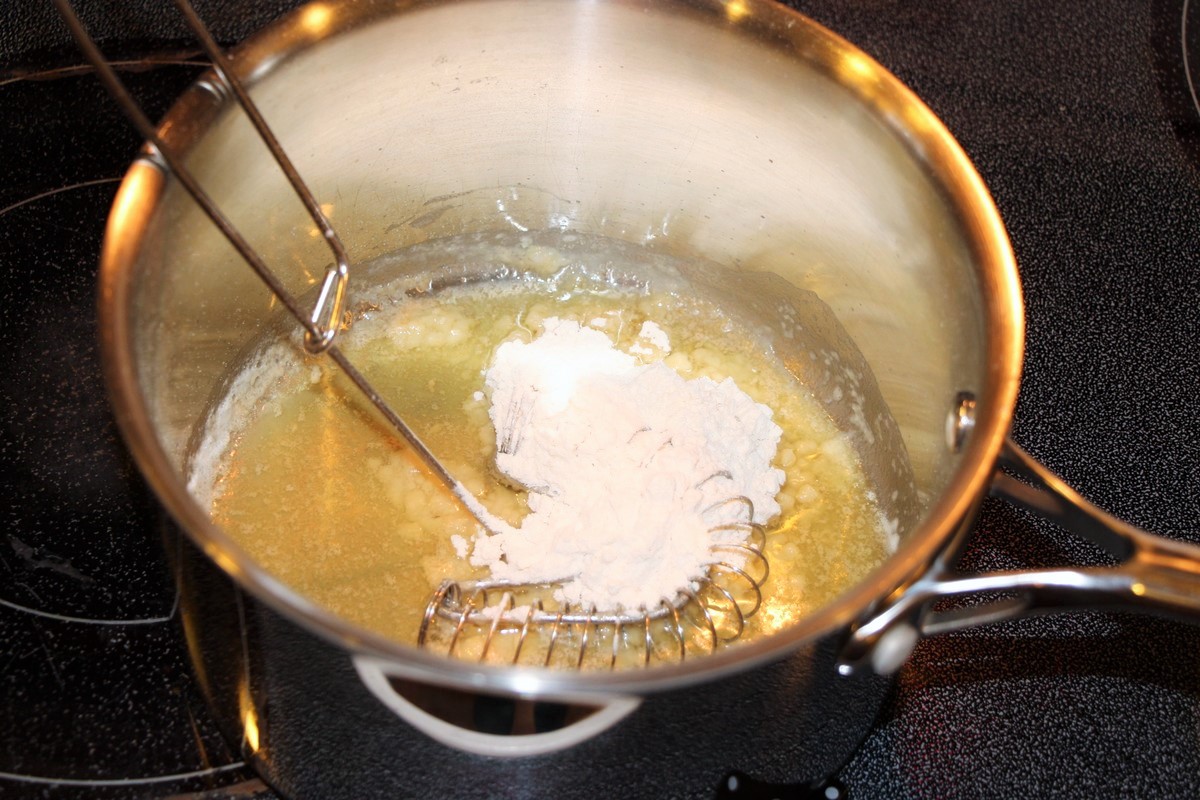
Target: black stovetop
[1080, 119]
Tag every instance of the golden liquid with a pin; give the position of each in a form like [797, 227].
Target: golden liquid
[319, 490]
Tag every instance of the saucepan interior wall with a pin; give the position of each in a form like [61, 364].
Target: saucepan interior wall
[645, 124]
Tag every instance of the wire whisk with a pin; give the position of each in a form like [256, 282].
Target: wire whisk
[492, 621]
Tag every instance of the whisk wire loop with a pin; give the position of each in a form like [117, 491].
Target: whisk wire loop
[505, 604]
[554, 635]
[618, 635]
[440, 597]
[679, 635]
[713, 609]
[524, 634]
[588, 625]
[734, 611]
[706, 615]
[754, 585]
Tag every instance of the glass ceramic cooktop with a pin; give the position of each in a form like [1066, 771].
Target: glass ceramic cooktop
[1074, 120]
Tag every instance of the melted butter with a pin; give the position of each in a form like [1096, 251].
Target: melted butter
[317, 488]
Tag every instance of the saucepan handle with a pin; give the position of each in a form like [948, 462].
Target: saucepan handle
[1152, 574]
[432, 710]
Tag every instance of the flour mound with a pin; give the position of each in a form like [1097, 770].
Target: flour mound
[619, 459]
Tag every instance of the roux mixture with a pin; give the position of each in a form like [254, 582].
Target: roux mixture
[307, 477]
[630, 470]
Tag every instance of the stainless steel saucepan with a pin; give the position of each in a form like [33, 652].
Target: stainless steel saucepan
[738, 133]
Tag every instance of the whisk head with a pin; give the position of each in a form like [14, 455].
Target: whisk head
[502, 622]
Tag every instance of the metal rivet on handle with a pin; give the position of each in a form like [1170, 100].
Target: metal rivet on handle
[893, 648]
[960, 421]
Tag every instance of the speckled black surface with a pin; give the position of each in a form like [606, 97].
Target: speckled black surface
[1078, 118]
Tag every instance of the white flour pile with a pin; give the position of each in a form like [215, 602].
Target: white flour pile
[619, 459]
